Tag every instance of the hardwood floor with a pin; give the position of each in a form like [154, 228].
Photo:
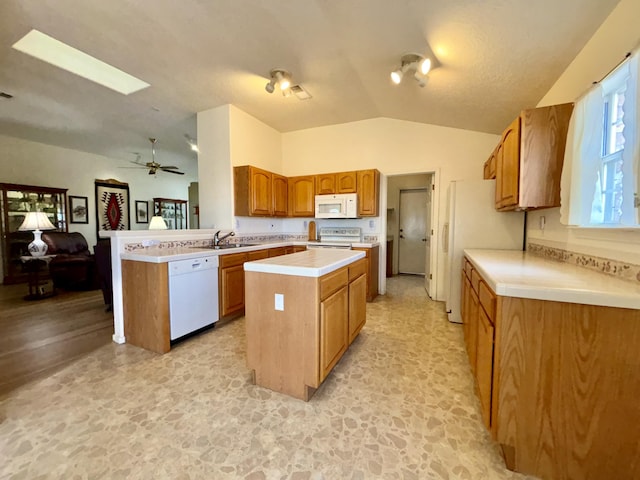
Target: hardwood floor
[39, 337]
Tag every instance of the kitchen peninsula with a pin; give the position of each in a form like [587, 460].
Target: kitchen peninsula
[302, 313]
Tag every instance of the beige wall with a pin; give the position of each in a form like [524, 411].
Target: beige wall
[616, 36]
[229, 137]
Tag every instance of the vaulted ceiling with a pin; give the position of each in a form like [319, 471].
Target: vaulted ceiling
[495, 58]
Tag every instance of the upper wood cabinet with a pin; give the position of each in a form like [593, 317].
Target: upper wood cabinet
[529, 159]
[279, 188]
[252, 194]
[302, 196]
[368, 183]
[326, 184]
[341, 182]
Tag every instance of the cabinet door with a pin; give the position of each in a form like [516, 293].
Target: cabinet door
[473, 328]
[368, 193]
[279, 188]
[231, 290]
[508, 172]
[326, 184]
[484, 364]
[372, 257]
[334, 311]
[260, 192]
[278, 251]
[465, 298]
[302, 196]
[346, 182]
[357, 306]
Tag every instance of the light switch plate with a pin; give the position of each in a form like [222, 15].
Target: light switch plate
[279, 300]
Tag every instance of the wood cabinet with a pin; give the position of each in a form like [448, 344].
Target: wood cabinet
[302, 196]
[280, 191]
[252, 192]
[357, 297]
[16, 201]
[291, 350]
[334, 324]
[368, 192]
[557, 383]
[529, 158]
[333, 183]
[173, 211]
[489, 169]
[372, 256]
[231, 278]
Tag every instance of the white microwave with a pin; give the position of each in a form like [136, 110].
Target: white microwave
[344, 205]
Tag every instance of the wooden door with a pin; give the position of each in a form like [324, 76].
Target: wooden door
[508, 173]
[357, 306]
[368, 192]
[260, 192]
[346, 182]
[472, 309]
[279, 188]
[326, 184]
[334, 335]
[484, 364]
[231, 290]
[302, 196]
[465, 299]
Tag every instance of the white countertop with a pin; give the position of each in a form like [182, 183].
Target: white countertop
[163, 255]
[513, 273]
[311, 263]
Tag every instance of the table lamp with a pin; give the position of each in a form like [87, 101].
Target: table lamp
[37, 221]
[157, 223]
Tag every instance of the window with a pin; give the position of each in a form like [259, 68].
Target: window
[600, 176]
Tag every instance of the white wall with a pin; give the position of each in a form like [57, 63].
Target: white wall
[393, 147]
[229, 137]
[616, 36]
[32, 163]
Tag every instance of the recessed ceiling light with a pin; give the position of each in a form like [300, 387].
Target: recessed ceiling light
[61, 55]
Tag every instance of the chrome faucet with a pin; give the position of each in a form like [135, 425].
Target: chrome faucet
[217, 239]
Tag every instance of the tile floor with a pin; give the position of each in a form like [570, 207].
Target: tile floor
[399, 405]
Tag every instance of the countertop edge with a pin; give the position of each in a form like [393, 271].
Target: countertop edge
[300, 271]
[623, 298]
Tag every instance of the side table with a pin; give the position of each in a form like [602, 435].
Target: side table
[38, 276]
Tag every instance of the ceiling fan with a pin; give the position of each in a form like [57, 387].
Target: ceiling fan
[154, 166]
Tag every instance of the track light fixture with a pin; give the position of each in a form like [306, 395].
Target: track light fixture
[412, 62]
[279, 77]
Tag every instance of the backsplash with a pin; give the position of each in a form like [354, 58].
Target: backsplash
[242, 238]
[622, 270]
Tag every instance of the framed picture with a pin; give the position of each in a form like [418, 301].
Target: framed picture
[78, 209]
[142, 211]
[112, 205]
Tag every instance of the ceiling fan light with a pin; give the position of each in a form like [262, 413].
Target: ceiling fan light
[396, 76]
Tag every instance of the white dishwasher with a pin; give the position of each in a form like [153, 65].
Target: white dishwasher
[193, 295]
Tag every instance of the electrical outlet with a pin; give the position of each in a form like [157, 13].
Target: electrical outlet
[279, 302]
[372, 224]
[543, 222]
[237, 223]
[305, 224]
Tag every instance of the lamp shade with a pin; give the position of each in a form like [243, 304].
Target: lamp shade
[36, 221]
[157, 223]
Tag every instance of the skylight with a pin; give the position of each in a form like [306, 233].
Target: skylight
[61, 55]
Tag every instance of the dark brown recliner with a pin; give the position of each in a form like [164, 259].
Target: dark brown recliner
[74, 267]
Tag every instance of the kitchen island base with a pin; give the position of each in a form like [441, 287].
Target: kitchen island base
[298, 327]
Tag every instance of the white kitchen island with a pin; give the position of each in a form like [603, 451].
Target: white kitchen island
[302, 313]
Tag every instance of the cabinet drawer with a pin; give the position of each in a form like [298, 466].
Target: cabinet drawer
[475, 280]
[487, 300]
[232, 259]
[357, 268]
[468, 268]
[276, 252]
[257, 255]
[333, 282]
